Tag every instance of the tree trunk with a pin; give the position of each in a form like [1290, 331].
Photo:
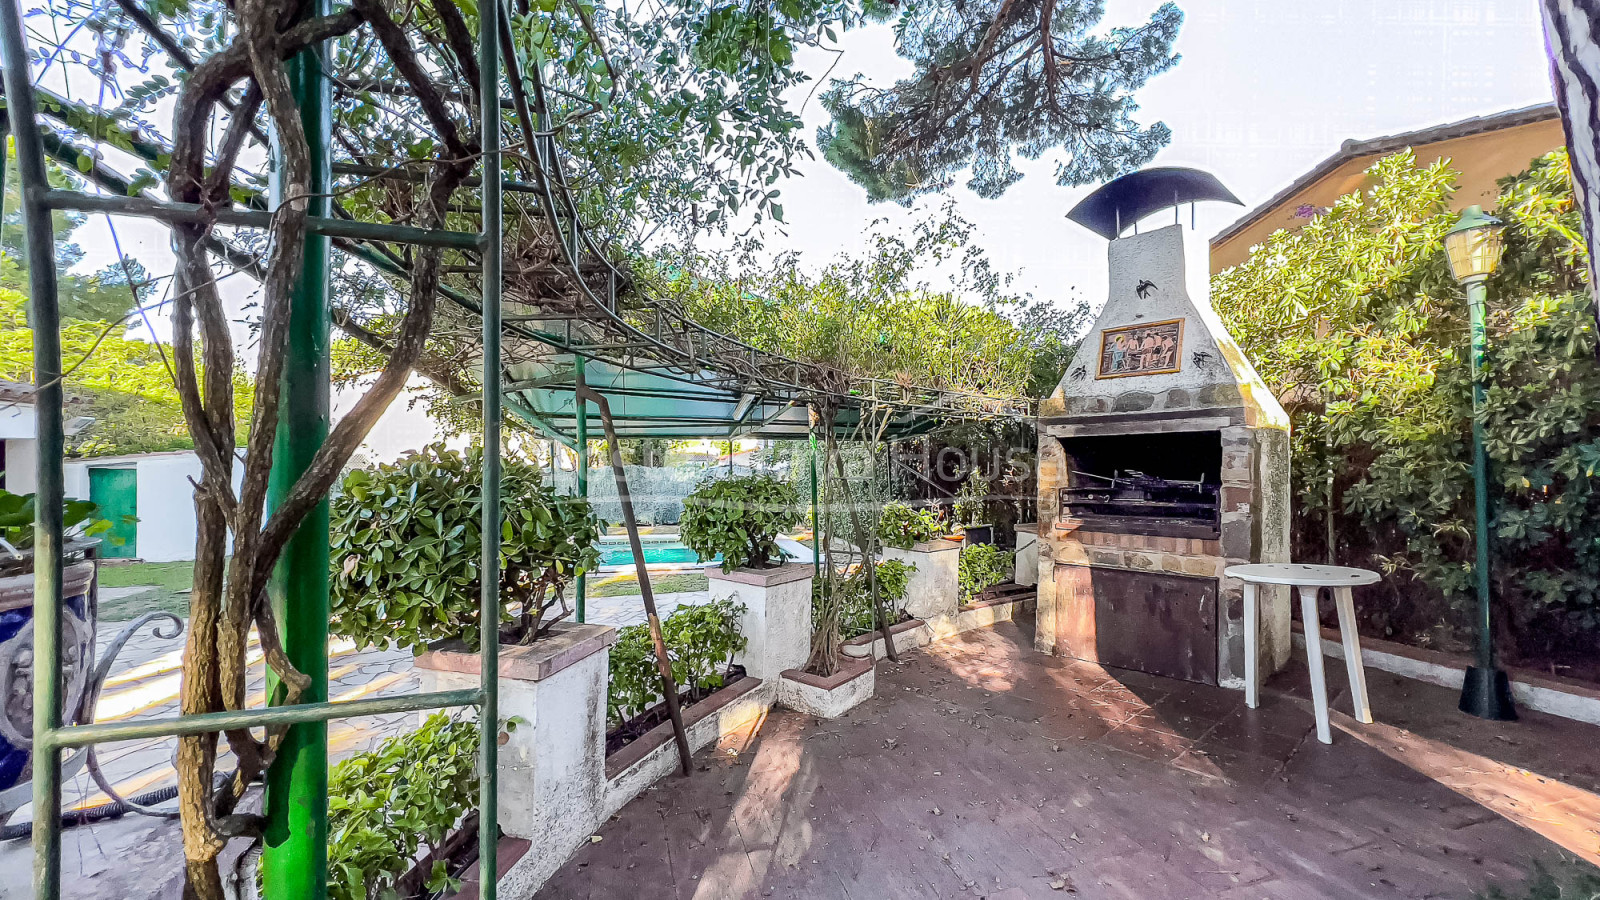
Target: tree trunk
[1572, 32]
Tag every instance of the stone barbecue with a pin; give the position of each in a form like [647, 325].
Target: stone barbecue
[1163, 459]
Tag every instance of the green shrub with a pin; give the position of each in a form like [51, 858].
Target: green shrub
[633, 685]
[971, 499]
[79, 518]
[406, 542]
[902, 527]
[981, 566]
[1356, 320]
[857, 616]
[386, 804]
[739, 518]
[701, 643]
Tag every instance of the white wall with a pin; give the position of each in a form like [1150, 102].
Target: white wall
[22, 465]
[17, 420]
[166, 506]
[165, 532]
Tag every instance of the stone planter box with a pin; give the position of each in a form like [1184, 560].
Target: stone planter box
[632, 769]
[552, 765]
[973, 535]
[907, 635]
[777, 618]
[1027, 569]
[829, 697]
[987, 613]
[931, 592]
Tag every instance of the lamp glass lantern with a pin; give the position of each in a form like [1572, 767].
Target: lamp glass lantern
[1474, 245]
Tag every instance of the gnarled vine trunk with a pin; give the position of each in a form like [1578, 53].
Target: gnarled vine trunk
[223, 611]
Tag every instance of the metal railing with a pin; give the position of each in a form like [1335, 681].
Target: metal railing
[301, 859]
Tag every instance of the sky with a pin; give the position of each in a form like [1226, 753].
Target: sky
[1265, 90]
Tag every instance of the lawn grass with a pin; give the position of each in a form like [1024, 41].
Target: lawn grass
[666, 583]
[173, 576]
[169, 582]
[168, 586]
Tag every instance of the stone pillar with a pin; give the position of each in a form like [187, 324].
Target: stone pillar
[933, 592]
[777, 618]
[552, 762]
[1052, 476]
[1273, 511]
[1255, 503]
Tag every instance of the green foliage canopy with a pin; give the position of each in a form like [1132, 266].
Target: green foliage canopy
[122, 382]
[104, 296]
[1356, 322]
[876, 315]
[996, 77]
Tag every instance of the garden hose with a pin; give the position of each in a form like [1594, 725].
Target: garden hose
[112, 810]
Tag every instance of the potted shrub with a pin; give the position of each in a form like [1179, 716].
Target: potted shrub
[903, 527]
[739, 519]
[858, 616]
[406, 543]
[916, 537]
[970, 510]
[80, 524]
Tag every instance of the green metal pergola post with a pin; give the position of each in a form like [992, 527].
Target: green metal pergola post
[45, 317]
[489, 568]
[294, 858]
[816, 533]
[581, 429]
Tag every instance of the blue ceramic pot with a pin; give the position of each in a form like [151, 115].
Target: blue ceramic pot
[16, 663]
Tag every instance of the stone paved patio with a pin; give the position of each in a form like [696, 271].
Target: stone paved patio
[984, 769]
[130, 858]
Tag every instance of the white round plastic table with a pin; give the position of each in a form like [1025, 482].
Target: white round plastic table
[1307, 579]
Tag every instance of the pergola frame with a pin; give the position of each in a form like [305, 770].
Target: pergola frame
[722, 387]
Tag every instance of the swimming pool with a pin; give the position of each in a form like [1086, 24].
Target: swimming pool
[614, 551]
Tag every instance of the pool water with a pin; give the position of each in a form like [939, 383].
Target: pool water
[617, 553]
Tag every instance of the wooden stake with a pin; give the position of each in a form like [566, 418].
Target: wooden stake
[663, 662]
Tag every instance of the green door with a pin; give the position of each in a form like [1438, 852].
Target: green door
[117, 493]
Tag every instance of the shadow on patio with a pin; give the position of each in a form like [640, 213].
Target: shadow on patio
[985, 769]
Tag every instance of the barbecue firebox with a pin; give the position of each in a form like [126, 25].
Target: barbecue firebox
[1142, 503]
[1163, 459]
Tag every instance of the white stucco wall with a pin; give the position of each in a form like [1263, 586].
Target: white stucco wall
[22, 461]
[165, 532]
[16, 420]
[777, 616]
